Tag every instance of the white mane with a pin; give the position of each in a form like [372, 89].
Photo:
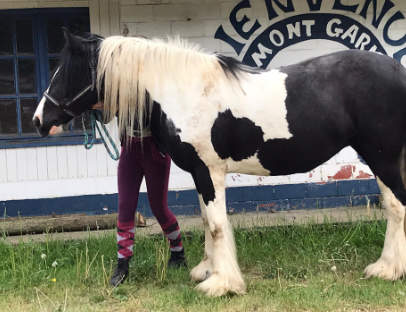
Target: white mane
[131, 66]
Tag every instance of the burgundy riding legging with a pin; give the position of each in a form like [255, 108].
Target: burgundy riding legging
[136, 161]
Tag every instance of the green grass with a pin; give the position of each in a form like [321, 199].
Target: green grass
[286, 269]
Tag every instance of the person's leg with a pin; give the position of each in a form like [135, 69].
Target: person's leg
[157, 167]
[130, 174]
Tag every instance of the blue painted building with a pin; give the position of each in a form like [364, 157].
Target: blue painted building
[57, 175]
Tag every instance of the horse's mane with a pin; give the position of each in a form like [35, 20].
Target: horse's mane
[131, 67]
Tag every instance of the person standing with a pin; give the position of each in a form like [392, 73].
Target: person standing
[140, 157]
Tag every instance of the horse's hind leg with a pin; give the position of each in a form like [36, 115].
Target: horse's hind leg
[203, 270]
[392, 263]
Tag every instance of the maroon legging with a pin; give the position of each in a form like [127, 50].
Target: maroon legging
[136, 161]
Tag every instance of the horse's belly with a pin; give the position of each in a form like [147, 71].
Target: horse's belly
[249, 165]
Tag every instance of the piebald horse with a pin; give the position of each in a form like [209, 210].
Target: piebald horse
[213, 115]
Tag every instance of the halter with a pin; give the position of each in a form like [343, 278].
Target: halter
[66, 107]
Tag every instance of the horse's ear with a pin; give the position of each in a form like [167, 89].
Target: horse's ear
[74, 43]
[66, 33]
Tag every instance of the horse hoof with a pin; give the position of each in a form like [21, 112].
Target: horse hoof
[217, 285]
[385, 270]
[201, 272]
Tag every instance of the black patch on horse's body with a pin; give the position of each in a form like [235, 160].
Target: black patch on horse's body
[346, 98]
[242, 141]
[184, 155]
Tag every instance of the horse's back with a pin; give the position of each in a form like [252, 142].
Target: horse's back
[318, 107]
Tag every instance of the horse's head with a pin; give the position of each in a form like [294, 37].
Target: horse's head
[72, 89]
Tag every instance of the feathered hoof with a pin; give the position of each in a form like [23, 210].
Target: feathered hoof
[385, 270]
[201, 271]
[217, 285]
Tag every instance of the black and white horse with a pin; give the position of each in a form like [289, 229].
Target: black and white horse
[213, 115]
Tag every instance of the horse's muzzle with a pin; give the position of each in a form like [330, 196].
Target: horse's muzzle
[40, 129]
[36, 122]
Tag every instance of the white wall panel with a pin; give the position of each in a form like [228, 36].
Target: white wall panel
[62, 161]
[42, 163]
[82, 162]
[52, 159]
[3, 166]
[11, 155]
[72, 162]
[91, 156]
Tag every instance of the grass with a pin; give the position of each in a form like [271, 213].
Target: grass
[288, 268]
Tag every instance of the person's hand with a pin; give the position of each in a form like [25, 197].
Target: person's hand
[98, 105]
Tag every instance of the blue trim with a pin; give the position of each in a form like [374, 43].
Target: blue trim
[239, 199]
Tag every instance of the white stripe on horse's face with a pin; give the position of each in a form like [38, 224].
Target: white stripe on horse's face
[39, 112]
[40, 109]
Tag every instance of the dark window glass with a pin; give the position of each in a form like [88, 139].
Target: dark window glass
[53, 64]
[7, 77]
[8, 117]
[77, 124]
[6, 35]
[26, 75]
[24, 37]
[55, 35]
[28, 107]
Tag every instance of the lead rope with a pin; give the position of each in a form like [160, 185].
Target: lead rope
[94, 116]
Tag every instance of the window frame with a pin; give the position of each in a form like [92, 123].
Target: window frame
[41, 55]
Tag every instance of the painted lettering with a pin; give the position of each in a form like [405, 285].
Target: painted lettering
[285, 8]
[308, 24]
[351, 33]
[339, 6]
[239, 25]
[314, 6]
[331, 25]
[222, 35]
[376, 20]
[276, 38]
[396, 17]
[399, 55]
[263, 54]
[333, 31]
[363, 41]
[293, 30]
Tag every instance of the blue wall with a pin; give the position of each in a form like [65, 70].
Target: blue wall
[239, 199]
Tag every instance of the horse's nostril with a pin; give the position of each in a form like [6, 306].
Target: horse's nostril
[36, 122]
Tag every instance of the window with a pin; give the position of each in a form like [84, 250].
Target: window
[30, 43]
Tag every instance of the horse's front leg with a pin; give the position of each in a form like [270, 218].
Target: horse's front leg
[203, 270]
[225, 275]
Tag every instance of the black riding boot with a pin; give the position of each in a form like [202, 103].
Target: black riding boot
[177, 259]
[121, 272]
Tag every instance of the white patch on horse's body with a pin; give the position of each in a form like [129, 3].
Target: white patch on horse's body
[263, 102]
[392, 263]
[250, 165]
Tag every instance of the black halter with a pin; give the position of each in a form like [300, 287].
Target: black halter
[66, 107]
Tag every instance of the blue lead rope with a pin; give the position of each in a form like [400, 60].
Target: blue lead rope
[96, 115]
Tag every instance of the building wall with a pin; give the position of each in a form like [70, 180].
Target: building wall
[46, 172]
